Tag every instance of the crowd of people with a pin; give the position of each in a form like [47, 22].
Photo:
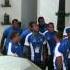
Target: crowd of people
[39, 43]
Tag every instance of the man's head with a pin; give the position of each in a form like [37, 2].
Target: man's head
[50, 27]
[41, 20]
[15, 37]
[15, 23]
[68, 32]
[30, 25]
[34, 26]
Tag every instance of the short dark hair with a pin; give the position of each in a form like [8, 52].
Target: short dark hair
[40, 18]
[31, 23]
[14, 20]
[50, 23]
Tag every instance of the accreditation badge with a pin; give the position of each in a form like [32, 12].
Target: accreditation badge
[37, 50]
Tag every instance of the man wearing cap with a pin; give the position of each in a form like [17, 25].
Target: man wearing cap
[64, 49]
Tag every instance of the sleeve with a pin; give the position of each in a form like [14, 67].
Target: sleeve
[11, 50]
[23, 34]
[6, 32]
[26, 41]
[63, 47]
[56, 52]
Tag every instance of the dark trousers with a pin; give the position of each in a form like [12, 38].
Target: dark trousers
[68, 64]
[50, 63]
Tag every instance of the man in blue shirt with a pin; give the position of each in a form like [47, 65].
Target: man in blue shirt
[65, 50]
[50, 38]
[36, 42]
[57, 54]
[16, 26]
[26, 32]
[14, 46]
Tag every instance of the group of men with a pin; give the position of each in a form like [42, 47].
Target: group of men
[39, 43]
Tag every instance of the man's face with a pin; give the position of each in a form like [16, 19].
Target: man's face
[15, 25]
[50, 28]
[41, 21]
[35, 27]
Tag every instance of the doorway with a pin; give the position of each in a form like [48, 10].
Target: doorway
[29, 11]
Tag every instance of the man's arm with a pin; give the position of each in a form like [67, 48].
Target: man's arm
[45, 52]
[27, 50]
[2, 41]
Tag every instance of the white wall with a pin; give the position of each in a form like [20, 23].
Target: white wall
[48, 9]
[14, 11]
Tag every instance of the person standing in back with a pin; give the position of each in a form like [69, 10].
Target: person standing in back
[50, 38]
[42, 24]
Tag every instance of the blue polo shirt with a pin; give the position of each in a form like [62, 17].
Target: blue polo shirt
[16, 48]
[7, 33]
[25, 33]
[36, 42]
[50, 39]
[65, 50]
